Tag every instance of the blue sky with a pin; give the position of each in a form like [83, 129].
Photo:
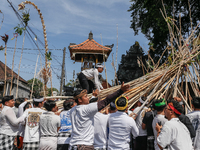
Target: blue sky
[69, 21]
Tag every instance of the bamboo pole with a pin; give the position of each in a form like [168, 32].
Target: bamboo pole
[4, 91]
[22, 6]
[20, 63]
[2, 19]
[34, 77]
[13, 65]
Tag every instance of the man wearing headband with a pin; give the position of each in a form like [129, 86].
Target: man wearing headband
[87, 75]
[120, 126]
[32, 117]
[194, 117]
[159, 105]
[174, 134]
[82, 118]
[8, 124]
[141, 140]
[184, 119]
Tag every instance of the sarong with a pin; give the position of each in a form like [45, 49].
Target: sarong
[6, 142]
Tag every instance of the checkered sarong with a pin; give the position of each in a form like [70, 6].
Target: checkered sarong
[64, 134]
[31, 146]
[6, 142]
[81, 147]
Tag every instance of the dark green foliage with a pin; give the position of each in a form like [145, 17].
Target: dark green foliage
[26, 18]
[1, 48]
[48, 56]
[128, 68]
[19, 30]
[147, 18]
[37, 88]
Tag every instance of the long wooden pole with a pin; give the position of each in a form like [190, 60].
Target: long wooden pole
[13, 65]
[20, 64]
[104, 63]
[44, 32]
[34, 77]
[4, 91]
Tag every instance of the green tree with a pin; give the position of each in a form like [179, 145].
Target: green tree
[147, 18]
[37, 88]
[129, 69]
[70, 83]
[53, 89]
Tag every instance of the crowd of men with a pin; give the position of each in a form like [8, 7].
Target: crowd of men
[86, 124]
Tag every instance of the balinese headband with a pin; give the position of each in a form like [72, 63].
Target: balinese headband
[81, 94]
[161, 103]
[173, 108]
[121, 107]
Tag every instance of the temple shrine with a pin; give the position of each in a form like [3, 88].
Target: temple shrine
[89, 52]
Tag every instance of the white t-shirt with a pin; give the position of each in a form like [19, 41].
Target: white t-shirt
[65, 128]
[49, 123]
[195, 120]
[93, 74]
[20, 113]
[120, 127]
[100, 130]
[139, 120]
[175, 135]
[82, 119]
[32, 116]
[16, 111]
[9, 122]
[157, 118]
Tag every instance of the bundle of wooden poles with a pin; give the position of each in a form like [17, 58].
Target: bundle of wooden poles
[172, 77]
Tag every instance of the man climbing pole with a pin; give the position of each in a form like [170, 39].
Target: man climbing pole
[87, 75]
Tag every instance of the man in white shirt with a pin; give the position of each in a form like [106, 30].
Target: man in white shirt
[8, 124]
[32, 116]
[194, 117]
[100, 131]
[82, 118]
[159, 105]
[141, 140]
[49, 126]
[87, 75]
[174, 134]
[64, 134]
[121, 126]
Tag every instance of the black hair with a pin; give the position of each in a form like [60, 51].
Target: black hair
[17, 102]
[121, 103]
[112, 106]
[176, 105]
[37, 103]
[26, 106]
[68, 104]
[158, 108]
[144, 98]
[22, 99]
[49, 104]
[77, 92]
[196, 102]
[6, 98]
